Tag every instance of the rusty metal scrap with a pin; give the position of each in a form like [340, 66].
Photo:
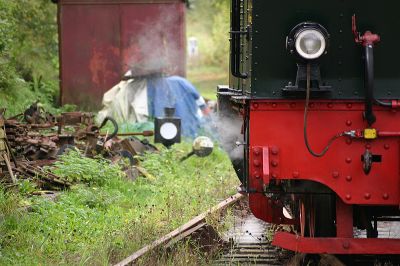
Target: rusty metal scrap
[35, 138]
[34, 141]
[136, 146]
[35, 114]
[146, 133]
[28, 142]
[43, 177]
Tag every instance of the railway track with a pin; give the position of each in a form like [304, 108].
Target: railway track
[197, 224]
[248, 242]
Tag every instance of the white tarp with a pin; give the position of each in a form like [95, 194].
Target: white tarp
[126, 102]
[134, 101]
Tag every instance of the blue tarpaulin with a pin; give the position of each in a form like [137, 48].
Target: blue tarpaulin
[135, 101]
[179, 93]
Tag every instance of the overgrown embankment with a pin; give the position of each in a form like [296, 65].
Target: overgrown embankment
[105, 217]
[28, 54]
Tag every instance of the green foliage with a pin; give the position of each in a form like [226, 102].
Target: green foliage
[18, 99]
[8, 73]
[102, 223]
[35, 48]
[74, 167]
[28, 53]
[8, 203]
[26, 187]
[208, 21]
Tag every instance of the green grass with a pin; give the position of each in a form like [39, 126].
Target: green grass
[18, 100]
[208, 88]
[110, 217]
[207, 78]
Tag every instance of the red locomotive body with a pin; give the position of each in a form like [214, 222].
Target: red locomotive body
[319, 107]
[277, 155]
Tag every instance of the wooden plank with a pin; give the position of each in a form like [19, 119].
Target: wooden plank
[198, 219]
[184, 235]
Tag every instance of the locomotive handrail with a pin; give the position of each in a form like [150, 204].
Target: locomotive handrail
[368, 41]
[236, 33]
[369, 84]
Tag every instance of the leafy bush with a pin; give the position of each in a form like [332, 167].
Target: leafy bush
[28, 54]
[35, 46]
[74, 167]
[8, 73]
[212, 33]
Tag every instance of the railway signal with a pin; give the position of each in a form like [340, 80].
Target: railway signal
[167, 129]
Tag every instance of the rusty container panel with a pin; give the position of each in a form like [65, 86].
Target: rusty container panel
[101, 40]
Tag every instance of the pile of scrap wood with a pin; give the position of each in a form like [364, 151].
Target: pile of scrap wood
[35, 138]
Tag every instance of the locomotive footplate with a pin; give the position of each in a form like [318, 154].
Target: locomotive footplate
[337, 245]
[343, 243]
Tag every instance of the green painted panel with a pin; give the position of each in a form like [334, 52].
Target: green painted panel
[342, 68]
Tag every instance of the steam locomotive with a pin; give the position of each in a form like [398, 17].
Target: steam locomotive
[315, 88]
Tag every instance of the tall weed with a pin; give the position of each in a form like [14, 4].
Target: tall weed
[107, 217]
[74, 167]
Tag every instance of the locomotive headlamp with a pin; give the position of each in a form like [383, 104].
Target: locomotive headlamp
[310, 44]
[309, 40]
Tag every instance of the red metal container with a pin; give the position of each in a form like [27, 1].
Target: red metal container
[102, 39]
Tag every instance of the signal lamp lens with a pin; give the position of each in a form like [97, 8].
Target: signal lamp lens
[168, 131]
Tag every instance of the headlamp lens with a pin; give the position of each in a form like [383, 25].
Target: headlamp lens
[310, 44]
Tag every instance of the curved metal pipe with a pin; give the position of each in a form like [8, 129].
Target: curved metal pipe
[115, 125]
[369, 84]
[382, 103]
